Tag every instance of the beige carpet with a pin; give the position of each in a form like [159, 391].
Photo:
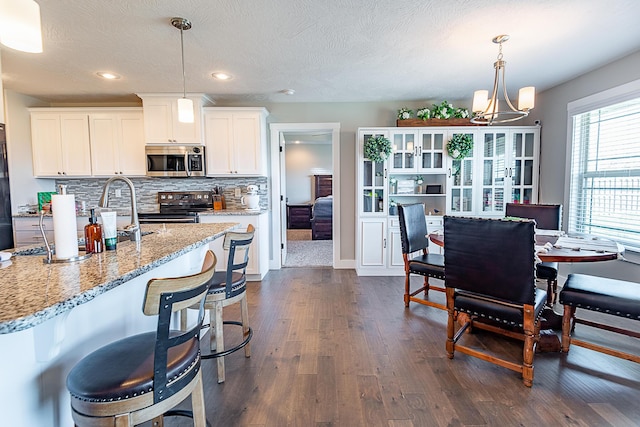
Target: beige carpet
[304, 252]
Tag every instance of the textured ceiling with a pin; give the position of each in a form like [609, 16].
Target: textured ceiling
[328, 51]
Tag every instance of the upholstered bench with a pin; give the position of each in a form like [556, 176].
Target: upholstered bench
[609, 296]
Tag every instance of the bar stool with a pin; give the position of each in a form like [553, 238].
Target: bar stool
[142, 377]
[227, 288]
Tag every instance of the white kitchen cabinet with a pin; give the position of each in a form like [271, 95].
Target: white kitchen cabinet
[26, 230]
[236, 141]
[117, 143]
[258, 265]
[161, 125]
[461, 186]
[60, 144]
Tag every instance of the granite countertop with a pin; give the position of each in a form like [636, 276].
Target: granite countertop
[32, 292]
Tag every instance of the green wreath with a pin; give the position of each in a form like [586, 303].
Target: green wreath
[460, 145]
[377, 149]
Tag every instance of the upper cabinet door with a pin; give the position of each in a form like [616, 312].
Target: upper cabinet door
[161, 125]
[524, 166]
[431, 148]
[404, 149]
[60, 144]
[117, 143]
[236, 141]
[494, 171]
[461, 182]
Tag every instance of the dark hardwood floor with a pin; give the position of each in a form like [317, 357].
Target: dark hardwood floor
[334, 349]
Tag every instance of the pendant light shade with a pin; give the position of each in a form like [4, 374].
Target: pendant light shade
[486, 108]
[20, 25]
[185, 105]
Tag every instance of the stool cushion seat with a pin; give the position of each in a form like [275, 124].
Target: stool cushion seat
[547, 270]
[431, 265]
[124, 369]
[611, 296]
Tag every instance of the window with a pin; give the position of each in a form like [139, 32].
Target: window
[604, 194]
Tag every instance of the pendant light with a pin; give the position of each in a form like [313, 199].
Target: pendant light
[487, 110]
[185, 105]
[20, 25]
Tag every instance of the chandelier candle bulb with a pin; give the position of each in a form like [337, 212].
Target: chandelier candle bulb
[526, 98]
[480, 101]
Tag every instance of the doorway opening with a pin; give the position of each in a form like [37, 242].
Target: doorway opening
[305, 198]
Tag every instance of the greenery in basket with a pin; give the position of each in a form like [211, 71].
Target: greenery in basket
[445, 110]
[404, 113]
[377, 149]
[460, 146]
[424, 113]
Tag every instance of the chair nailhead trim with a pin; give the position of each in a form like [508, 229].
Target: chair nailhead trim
[603, 310]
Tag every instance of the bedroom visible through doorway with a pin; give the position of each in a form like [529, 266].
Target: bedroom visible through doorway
[309, 200]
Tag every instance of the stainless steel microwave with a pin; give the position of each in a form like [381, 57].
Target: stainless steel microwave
[175, 160]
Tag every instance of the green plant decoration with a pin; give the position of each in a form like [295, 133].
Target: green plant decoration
[460, 145]
[377, 149]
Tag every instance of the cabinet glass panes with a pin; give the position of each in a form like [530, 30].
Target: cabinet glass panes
[373, 188]
[403, 147]
[431, 152]
[494, 172]
[521, 170]
[461, 186]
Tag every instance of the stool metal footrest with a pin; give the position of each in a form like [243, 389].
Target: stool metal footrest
[181, 413]
[233, 349]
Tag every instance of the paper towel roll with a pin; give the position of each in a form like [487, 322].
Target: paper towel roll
[64, 225]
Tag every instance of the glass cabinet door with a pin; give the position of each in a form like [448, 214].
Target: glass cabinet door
[460, 186]
[404, 148]
[494, 172]
[373, 184]
[431, 151]
[522, 167]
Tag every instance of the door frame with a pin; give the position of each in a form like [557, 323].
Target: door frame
[278, 175]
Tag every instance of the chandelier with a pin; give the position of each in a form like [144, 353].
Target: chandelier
[185, 105]
[487, 109]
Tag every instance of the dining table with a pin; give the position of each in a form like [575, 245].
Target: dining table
[558, 246]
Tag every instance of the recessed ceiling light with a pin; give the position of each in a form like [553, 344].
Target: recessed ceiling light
[108, 75]
[221, 76]
[288, 91]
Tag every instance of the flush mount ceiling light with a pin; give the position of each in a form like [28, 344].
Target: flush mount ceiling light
[288, 91]
[218, 75]
[20, 25]
[185, 105]
[107, 75]
[487, 110]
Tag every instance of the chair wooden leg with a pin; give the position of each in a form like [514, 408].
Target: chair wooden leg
[407, 283]
[528, 350]
[552, 289]
[450, 323]
[244, 313]
[197, 404]
[426, 287]
[158, 421]
[219, 341]
[567, 316]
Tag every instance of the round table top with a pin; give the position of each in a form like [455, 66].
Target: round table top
[558, 253]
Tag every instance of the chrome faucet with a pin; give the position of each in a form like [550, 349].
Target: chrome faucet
[133, 229]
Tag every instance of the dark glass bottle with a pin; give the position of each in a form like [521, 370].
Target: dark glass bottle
[93, 234]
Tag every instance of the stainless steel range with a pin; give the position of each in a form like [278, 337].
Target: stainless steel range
[178, 207]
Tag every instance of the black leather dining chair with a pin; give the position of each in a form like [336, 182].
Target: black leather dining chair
[548, 217]
[416, 256]
[490, 279]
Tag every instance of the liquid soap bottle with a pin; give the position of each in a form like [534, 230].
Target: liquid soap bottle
[93, 234]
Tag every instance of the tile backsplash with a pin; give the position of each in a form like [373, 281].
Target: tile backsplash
[89, 190]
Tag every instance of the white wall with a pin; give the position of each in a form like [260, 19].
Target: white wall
[24, 187]
[302, 162]
[551, 109]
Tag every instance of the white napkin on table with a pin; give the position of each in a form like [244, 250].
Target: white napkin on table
[5, 256]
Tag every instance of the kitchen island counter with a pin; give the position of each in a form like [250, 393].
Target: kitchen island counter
[32, 292]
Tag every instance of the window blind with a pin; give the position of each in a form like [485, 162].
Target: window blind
[604, 197]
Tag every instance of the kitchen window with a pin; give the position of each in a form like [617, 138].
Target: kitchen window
[604, 196]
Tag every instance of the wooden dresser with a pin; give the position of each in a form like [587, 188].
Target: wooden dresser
[299, 215]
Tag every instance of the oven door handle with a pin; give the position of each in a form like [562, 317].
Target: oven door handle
[186, 164]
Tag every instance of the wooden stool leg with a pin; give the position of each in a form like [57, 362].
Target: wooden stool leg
[158, 421]
[197, 404]
[244, 313]
[407, 283]
[219, 340]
